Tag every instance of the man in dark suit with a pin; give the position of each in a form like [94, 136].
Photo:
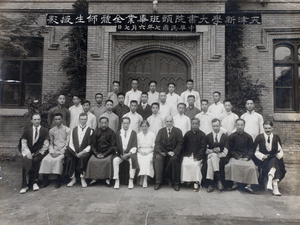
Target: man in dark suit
[144, 109]
[34, 147]
[127, 147]
[168, 146]
[216, 156]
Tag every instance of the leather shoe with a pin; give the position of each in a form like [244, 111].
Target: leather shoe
[249, 190]
[176, 187]
[210, 188]
[220, 186]
[157, 187]
[57, 184]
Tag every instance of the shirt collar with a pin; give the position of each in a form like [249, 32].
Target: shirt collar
[39, 127]
[251, 112]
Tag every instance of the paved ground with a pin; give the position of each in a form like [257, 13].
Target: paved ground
[102, 205]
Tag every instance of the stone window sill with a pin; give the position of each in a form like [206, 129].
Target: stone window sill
[13, 112]
[292, 117]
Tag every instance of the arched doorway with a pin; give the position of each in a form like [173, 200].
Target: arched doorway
[164, 67]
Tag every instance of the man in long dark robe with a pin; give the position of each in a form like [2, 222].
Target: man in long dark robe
[60, 108]
[127, 147]
[168, 146]
[34, 147]
[121, 109]
[104, 145]
[78, 151]
[240, 168]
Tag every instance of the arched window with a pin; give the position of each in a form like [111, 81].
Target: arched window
[21, 76]
[287, 75]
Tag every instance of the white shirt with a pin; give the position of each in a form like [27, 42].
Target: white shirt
[74, 115]
[125, 140]
[80, 133]
[164, 110]
[254, 123]
[260, 155]
[182, 122]
[228, 120]
[91, 120]
[173, 100]
[156, 123]
[205, 122]
[184, 95]
[132, 95]
[34, 136]
[135, 120]
[153, 97]
[216, 110]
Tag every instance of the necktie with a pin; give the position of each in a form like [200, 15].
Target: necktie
[216, 138]
[36, 133]
[82, 128]
[169, 132]
[269, 139]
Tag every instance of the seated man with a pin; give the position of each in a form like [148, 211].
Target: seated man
[216, 155]
[270, 157]
[78, 151]
[127, 146]
[193, 151]
[34, 145]
[167, 149]
[240, 168]
[104, 145]
[53, 162]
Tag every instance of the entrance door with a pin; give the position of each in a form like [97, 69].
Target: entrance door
[156, 65]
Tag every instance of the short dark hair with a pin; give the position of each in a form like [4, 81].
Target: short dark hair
[99, 94]
[86, 101]
[204, 100]
[268, 122]
[60, 95]
[217, 92]
[216, 120]
[126, 118]
[191, 96]
[189, 80]
[116, 82]
[144, 93]
[155, 103]
[152, 81]
[34, 114]
[227, 100]
[103, 117]
[135, 79]
[82, 114]
[121, 93]
[109, 100]
[133, 101]
[58, 114]
[181, 103]
[76, 95]
[172, 84]
[197, 119]
[250, 99]
[240, 119]
[145, 122]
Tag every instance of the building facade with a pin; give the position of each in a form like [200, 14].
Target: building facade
[272, 48]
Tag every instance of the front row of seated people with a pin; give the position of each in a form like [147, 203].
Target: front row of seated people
[97, 154]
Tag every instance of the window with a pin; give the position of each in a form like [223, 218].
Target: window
[21, 75]
[287, 75]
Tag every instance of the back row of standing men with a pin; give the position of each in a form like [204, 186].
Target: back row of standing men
[181, 115]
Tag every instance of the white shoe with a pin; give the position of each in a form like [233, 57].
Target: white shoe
[117, 184]
[35, 187]
[72, 182]
[269, 184]
[145, 182]
[24, 190]
[130, 185]
[83, 182]
[275, 189]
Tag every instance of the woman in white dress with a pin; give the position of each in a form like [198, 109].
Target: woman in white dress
[146, 141]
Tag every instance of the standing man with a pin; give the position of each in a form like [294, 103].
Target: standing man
[135, 118]
[144, 109]
[164, 108]
[191, 111]
[216, 156]
[216, 110]
[153, 94]
[99, 109]
[78, 151]
[193, 152]
[181, 121]
[127, 147]
[104, 145]
[53, 162]
[121, 109]
[254, 121]
[34, 146]
[113, 118]
[91, 118]
[229, 118]
[184, 95]
[155, 119]
[205, 118]
[114, 94]
[60, 108]
[172, 98]
[167, 149]
[240, 168]
[75, 110]
[134, 93]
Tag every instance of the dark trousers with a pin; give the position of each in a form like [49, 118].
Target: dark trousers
[30, 170]
[72, 163]
[168, 164]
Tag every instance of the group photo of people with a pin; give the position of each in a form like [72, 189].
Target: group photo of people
[157, 138]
